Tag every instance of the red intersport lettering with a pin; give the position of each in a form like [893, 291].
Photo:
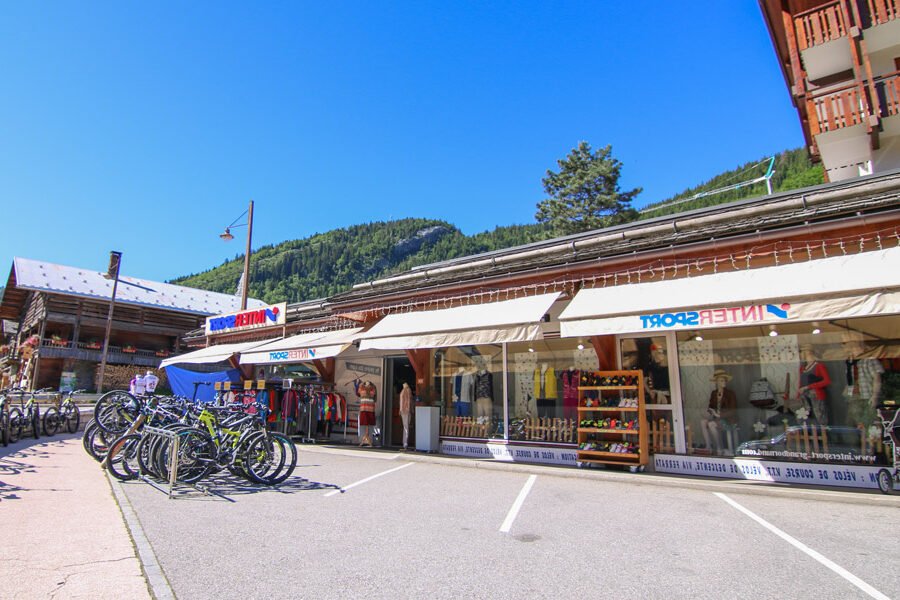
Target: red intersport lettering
[719, 315]
[705, 317]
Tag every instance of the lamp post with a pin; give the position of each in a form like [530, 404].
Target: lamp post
[115, 259]
[227, 236]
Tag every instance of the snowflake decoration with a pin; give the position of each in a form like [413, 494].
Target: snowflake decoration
[759, 427]
[802, 413]
[874, 432]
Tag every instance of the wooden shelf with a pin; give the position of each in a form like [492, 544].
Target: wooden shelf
[596, 430]
[602, 435]
[608, 387]
[609, 454]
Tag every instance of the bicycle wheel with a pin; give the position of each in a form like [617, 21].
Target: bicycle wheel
[116, 411]
[95, 441]
[121, 460]
[196, 456]
[4, 427]
[51, 421]
[16, 424]
[71, 416]
[270, 458]
[36, 422]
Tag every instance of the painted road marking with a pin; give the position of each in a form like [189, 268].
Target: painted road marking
[807, 550]
[367, 479]
[517, 505]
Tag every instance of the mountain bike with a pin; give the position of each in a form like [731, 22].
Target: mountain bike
[65, 413]
[26, 415]
[4, 419]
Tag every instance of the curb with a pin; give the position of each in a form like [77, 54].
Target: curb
[157, 582]
[840, 495]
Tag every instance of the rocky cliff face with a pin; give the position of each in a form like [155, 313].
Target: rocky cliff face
[408, 246]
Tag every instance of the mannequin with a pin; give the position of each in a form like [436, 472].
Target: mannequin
[137, 386]
[721, 412]
[813, 381]
[484, 395]
[405, 409]
[150, 381]
[463, 390]
[365, 391]
[863, 375]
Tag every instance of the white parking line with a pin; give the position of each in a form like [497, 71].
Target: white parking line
[806, 549]
[517, 505]
[362, 481]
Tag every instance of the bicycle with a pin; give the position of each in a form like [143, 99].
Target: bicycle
[64, 413]
[27, 414]
[4, 419]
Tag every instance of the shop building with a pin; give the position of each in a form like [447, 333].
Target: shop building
[59, 315]
[778, 313]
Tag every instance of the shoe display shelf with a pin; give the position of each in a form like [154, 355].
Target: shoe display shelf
[612, 423]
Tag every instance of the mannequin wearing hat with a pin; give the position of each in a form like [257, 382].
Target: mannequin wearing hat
[812, 383]
[721, 413]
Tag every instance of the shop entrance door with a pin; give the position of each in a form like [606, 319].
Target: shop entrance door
[656, 356]
[399, 371]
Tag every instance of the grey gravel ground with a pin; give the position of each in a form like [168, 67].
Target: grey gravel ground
[432, 529]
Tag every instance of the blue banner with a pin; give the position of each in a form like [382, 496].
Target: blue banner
[182, 382]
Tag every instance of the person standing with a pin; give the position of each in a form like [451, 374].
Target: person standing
[813, 380]
[863, 375]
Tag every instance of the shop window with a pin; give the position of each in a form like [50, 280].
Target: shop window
[805, 391]
[543, 388]
[469, 384]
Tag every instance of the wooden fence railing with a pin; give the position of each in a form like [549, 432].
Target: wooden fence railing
[819, 25]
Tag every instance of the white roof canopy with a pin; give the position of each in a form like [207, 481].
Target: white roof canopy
[302, 348]
[495, 322]
[837, 287]
[211, 354]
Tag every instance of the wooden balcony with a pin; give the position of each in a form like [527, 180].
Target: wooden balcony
[821, 24]
[882, 11]
[121, 355]
[888, 90]
[845, 107]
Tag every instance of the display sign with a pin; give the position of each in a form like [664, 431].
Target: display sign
[855, 476]
[762, 313]
[67, 381]
[510, 453]
[363, 369]
[257, 318]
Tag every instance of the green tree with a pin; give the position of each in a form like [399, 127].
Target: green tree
[584, 194]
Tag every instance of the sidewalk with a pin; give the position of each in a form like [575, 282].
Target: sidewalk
[63, 535]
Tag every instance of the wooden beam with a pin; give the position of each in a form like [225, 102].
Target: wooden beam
[605, 347]
[419, 360]
[325, 368]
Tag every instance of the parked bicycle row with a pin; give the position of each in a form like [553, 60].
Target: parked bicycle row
[135, 436]
[20, 413]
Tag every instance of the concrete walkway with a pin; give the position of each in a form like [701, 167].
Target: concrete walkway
[62, 534]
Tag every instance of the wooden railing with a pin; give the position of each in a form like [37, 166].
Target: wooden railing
[888, 89]
[841, 108]
[882, 11]
[95, 347]
[821, 24]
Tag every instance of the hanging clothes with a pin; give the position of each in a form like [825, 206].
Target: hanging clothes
[545, 383]
[570, 379]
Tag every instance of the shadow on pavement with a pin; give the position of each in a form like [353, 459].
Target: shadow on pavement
[222, 487]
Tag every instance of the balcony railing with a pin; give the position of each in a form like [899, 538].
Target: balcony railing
[821, 24]
[882, 11]
[888, 90]
[67, 347]
[841, 108]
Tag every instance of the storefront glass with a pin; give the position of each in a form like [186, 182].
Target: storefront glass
[804, 392]
[469, 383]
[652, 356]
[541, 383]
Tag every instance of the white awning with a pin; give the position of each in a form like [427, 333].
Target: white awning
[495, 322]
[828, 288]
[211, 354]
[302, 348]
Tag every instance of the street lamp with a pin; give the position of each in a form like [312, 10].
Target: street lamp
[112, 272]
[227, 236]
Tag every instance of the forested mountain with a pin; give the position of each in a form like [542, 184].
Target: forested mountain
[331, 262]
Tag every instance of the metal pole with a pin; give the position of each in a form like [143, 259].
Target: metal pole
[115, 259]
[246, 285]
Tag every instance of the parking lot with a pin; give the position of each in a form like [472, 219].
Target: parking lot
[378, 525]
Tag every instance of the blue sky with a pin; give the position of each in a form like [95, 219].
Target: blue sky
[147, 127]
